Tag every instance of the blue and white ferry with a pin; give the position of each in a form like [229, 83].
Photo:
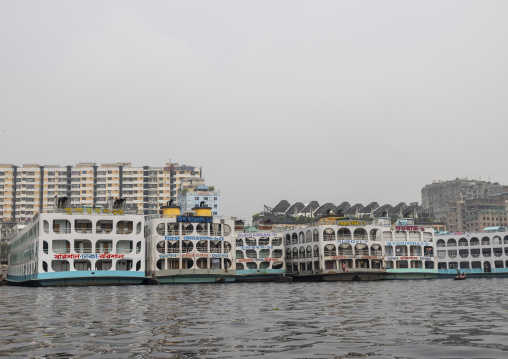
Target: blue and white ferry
[192, 247]
[479, 255]
[78, 246]
[408, 249]
[259, 255]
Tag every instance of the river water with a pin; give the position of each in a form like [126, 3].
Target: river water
[389, 319]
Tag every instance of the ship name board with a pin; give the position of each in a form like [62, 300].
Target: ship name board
[350, 223]
[267, 234]
[202, 238]
[355, 257]
[410, 228]
[405, 258]
[352, 241]
[256, 247]
[258, 260]
[403, 243]
[89, 256]
[194, 255]
[94, 210]
[194, 219]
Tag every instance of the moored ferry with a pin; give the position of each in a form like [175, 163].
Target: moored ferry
[335, 249]
[475, 254]
[193, 247]
[78, 246]
[259, 255]
[408, 249]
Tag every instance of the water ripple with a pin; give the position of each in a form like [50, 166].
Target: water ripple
[407, 319]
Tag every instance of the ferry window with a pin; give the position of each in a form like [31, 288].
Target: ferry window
[124, 247]
[264, 241]
[239, 255]
[45, 247]
[83, 226]
[344, 233]
[227, 247]
[104, 246]
[328, 234]
[251, 253]
[160, 229]
[264, 253]
[61, 246]
[188, 229]
[103, 264]
[138, 247]
[104, 227]
[161, 264]
[161, 247]
[202, 229]
[61, 226]
[82, 265]
[138, 228]
[45, 226]
[475, 265]
[251, 265]
[202, 246]
[138, 265]
[173, 229]
[44, 266]
[82, 246]
[277, 253]
[239, 266]
[124, 265]
[227, 230]
[124, 227]
[60, 266]
[264, 265]
[277, 241]
[498, 264]
[250, 241]
[227, 263]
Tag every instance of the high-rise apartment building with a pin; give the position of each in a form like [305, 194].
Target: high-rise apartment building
[31, 188]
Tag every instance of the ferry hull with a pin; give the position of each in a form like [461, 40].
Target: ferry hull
[195, 279]
[474, 273]
[78, 278]
[267, 275]
[415, 274]
[194, 276]
[354, 276]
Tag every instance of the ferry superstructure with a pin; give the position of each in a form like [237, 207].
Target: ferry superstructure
[476, 254]
[191, 247]
[408, 249]
[259, 256]
[335, 249]
[79, 246]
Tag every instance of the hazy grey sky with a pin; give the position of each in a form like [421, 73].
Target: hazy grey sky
[299, 100]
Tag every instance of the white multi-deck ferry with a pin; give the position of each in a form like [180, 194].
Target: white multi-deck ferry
[259, 256]
[475, 254]
[191, 247]
[335, 249]
[79, 246]
[408, 249]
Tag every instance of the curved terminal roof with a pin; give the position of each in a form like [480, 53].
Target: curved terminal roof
[295, 209]
[310, 209]
[281, 207]
[323, 210]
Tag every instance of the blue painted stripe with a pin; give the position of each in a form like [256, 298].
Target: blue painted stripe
[90, 274]
[259, 271]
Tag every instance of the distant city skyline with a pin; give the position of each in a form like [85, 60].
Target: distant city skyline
[329, 101]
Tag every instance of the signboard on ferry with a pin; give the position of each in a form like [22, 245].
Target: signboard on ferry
[403, 243]
[350, 223]
[194, 255]
[267, 234]
[194, 219]
[410, 228]
[405, 258]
